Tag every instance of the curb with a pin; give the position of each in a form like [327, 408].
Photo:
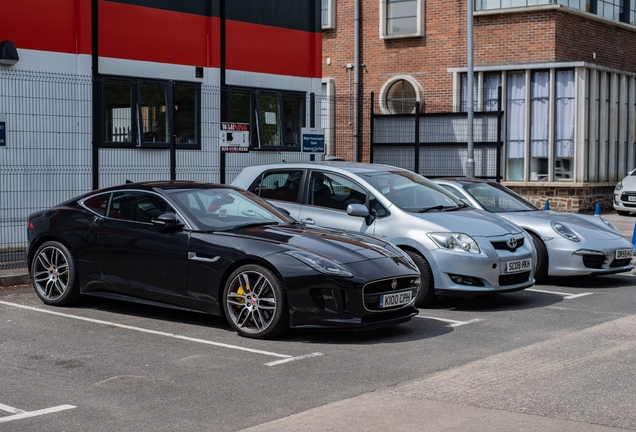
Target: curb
[14, 277]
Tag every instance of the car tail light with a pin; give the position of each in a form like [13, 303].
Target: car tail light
[30, 225]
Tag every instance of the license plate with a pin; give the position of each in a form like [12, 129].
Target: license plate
[631, 198]
[518, 266]
[624, 253]
[395, 299]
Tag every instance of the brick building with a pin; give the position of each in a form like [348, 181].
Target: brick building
[567, 71]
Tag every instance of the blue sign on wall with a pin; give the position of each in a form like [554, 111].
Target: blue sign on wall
[313, 140]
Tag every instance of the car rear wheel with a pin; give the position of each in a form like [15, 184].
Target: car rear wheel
[427, 290]
[54, 274]
[541, 272]
[254, 302]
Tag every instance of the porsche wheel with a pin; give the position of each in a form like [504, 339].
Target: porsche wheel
[53, 274]
[254, 302]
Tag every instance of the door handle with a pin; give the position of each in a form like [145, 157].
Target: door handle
[308, 221]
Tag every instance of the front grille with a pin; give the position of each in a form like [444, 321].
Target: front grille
[621, 262]
[594, 261]
[625, 196]
[372, 291]
[514, 278]
[503, 245]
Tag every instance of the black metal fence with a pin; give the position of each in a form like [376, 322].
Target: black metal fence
[435, 144]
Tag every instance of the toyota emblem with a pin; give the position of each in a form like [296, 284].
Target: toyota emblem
[394, 284]
[512, 243]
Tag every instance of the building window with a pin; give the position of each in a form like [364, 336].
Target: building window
[515, 125]
[275, 117]
[564, 126]
[539, 125]
[485, 96]
[328, 14]
[399, 94]
[617, 10]
[401, 18]
[146, 113]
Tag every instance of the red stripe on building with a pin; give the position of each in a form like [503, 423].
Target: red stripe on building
[265, 49]
[146, 34]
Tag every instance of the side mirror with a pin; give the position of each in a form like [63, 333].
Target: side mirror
[167, 220]
[360, 210]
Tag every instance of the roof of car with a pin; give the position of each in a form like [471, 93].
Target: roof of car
[164, 185]
[354, 167]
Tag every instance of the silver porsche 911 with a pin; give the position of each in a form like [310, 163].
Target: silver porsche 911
[567, 244]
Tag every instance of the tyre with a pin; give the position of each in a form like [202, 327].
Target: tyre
[54, 274]
[427, 290]
[541, 269]
[254, 302]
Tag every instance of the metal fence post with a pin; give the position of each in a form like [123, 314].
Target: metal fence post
[371, 126]
[417, 137]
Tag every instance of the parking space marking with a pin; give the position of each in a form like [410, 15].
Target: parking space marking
[287, 360]
[452, 323]
[20, 414]
[160, 333]
[567, 296]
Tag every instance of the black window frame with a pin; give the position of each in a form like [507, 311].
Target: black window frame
[285, 118]
[182, 141]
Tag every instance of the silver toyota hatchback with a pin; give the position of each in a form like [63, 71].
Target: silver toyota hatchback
[459, 250]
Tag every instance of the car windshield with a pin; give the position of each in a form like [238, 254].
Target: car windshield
[226, 209]
[412, 192]
[498, 199]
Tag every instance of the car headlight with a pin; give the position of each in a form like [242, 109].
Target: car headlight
[455, 241]
[611, 225]
[564, 231]
[323, 265]
[618, 186]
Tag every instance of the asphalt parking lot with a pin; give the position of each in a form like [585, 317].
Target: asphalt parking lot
[554, 357]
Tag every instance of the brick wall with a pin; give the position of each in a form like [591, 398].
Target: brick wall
[542, 34]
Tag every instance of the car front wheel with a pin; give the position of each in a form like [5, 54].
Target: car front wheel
[254, 302]
[54, 275]
[427, 290]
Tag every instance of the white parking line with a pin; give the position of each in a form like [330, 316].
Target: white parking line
[453, 323]
[567, 296]
[20, 414]
[159, 333]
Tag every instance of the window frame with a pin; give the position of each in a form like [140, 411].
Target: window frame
[330, 13]
[136, 107]
[284, 119]
[419, 21]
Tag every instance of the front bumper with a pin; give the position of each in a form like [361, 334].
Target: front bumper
[590, 260]
[353, 303]
[459, 274]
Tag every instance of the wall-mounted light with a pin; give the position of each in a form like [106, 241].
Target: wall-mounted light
[8, 53]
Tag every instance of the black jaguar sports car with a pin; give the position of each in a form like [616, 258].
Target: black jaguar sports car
[221, 250]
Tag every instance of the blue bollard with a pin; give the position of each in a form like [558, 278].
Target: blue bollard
[634, 237]
[546, 206]
[597, 211]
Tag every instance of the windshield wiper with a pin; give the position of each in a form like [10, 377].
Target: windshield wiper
[425, 209]
[254, 224]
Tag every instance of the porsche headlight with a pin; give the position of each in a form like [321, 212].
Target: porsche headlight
[565, 232]
[455, 241]
[618, 186]
[323, 265]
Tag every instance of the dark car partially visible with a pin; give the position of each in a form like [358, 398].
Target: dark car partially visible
[219, 250]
